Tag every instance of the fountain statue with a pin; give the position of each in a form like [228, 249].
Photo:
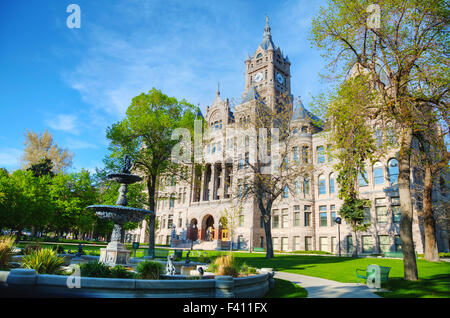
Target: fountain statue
[115, 252]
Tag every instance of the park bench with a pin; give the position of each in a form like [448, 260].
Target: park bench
[395, 254]
[259, 249]
[384, 273]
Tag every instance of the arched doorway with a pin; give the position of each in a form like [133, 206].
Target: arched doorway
[208, 228]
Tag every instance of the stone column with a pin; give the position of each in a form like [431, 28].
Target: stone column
[202, 185]
[212, 182]
[223, 177]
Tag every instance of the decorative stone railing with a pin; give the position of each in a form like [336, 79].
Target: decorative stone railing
[27, 281]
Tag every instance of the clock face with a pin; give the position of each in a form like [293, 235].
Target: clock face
[280, 78]
[258, 77]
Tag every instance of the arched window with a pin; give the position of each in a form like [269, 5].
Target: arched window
[320, 154]
[378, 175]
[286, 192]
[331, 183]
[393, 171]
[322, 185]
[259, 55]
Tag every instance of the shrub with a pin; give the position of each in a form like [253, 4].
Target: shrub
[120, 271]
[203, 258]
[248, 270]
[29, 248]
[60, 249]
[225, 265]
[44, 261]
[95, 269]
[6, 250]
[149, 270]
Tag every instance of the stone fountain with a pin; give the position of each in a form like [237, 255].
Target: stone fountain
[115, 252]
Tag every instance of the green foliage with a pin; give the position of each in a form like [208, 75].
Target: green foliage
[44, 261]
[149, 270]
[42, 168]
[6, 250]
[247, 270]
[59, 249]
[120, 271]
[95, 269]
[226, 265]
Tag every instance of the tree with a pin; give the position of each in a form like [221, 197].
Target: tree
[406, 57]
[231, 217]
[275, 172]
[40, 147]
[192, 234]
[43, 167]
[146, 136]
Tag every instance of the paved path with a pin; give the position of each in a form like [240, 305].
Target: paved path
[324, 288]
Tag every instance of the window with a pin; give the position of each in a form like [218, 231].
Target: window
[275, 221]
[349, 244]
[284, 243]
[170, 221]
[320, 154]
[384, 243]
[363, 178]
[307, 215]
[322, 185]
[396, 210]
[180, 222]
[379, 136]
[241, 162]
[296, 243]
[367, 216]
[381, 211]
[305, 187]
[305, 154]
[398, 243]
[333, 244]
[297, 187]
[308, 243]
[241, 220]
[286, 163]
[286, 192]
[296, 215]
[172, 201]
[284, 218]
[393, 171]
[378, 175]
[367, 244]
[331, 183]
[304, 129]
[323, 244]
[247, 162]
[276, 246]
[295, 150]
[323, 215]
[333, 215]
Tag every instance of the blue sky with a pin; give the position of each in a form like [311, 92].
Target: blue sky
[77, 82]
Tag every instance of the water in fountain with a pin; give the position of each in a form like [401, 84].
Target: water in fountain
[115, 252]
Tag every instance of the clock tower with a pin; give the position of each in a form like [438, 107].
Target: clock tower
[267, 71]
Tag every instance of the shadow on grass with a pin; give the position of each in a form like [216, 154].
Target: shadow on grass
[286, 289]
[437, 286]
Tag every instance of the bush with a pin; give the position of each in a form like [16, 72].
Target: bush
[203, 258]
[120, 271]
[225, 265]
[6, 250]
[248, 270]
[60, 249]
[30, 248]
[44, 261]
[95, 269]
[149, 270]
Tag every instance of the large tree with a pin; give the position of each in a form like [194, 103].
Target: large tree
[39, 147]
[146, 136]
[404, 47]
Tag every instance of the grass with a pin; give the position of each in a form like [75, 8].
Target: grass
[434, 278]
[286, 289]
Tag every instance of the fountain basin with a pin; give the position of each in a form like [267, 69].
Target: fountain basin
[120, 214]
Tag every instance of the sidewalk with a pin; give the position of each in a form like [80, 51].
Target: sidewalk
[324, 288]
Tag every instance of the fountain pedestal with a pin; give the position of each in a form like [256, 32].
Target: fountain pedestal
[115, 254]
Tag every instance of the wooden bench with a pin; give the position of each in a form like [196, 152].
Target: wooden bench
[396, 254]
[384, 273]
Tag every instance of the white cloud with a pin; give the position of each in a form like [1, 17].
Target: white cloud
[10, 157]
[64, 122]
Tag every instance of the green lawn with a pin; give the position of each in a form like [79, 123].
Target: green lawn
[286, 289]
[434, 278]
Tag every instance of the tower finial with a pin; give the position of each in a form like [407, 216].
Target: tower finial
[218, 90]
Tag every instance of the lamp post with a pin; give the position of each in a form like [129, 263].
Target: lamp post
[338, 221]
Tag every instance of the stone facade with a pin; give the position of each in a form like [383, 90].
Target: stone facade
[300, 221]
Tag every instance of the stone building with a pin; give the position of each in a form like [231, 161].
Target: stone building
[303, 220]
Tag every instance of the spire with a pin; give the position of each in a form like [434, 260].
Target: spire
[267, 37]
[218, 90]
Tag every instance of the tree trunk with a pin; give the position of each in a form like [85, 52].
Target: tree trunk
[151, 186]
[18, 235]
[431, 250]
[267, 231]
[409, 257]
